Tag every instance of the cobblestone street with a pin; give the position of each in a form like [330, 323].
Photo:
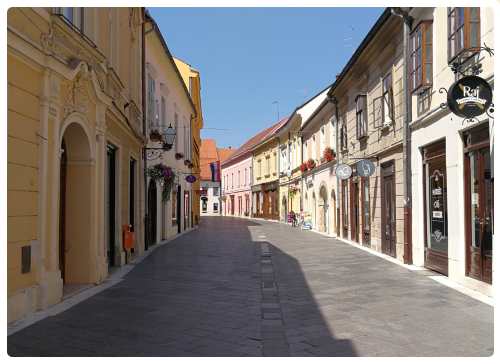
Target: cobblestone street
[237, 287]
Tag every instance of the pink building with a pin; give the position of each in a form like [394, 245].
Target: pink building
[236, 174]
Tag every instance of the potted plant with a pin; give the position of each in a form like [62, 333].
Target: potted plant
[179, 156]
[311, 164]
[155, 135]
[187, 162]
[328, 154]
[166, 176]
[303, 167]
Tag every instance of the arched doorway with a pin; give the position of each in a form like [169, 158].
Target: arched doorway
[313, 210]
[152, 195]
[284, 209]
[323, 209]
[75, 207]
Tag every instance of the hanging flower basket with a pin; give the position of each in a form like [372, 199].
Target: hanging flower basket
[187, 162]
[164, 174]
[179, 156]
[311, 164]
[303, 167]
[328, 154]
[155, 136]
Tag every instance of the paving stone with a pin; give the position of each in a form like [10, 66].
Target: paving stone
[204, 294]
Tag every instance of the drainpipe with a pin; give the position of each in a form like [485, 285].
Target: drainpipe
[407, 23]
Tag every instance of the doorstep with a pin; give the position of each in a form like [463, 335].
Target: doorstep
[80, 293]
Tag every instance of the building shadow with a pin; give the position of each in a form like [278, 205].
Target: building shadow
[207, 293]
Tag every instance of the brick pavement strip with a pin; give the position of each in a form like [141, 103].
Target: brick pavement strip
[218, 292]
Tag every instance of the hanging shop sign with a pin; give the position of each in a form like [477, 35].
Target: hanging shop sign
[190, 178]
[343, 171]
[365, 168]
[469, 97]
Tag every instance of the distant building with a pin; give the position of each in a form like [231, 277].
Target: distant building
[210, 176]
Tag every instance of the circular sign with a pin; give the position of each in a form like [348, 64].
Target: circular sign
[190, 178]
[365, 168]
[343, 171]
[469, 97]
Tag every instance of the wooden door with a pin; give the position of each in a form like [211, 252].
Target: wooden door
[152, 212]
[435, 208]
[345, 209]
[354, 210]
[478, 205]
[62, 211]
[111, 202]
[388, 210]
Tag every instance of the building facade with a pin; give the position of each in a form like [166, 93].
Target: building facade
[192, 80]
[211, 158]
[236, 182]
[75, 132]
[368, 107]
[265, 186]
[168, 103]
[451, 158]
[319, 181]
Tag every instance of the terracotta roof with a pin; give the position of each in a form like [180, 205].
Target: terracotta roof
[256, 139]
[224, 153]
[210, 153]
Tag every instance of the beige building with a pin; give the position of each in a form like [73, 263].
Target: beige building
[368, 98]
[192, 80]
[75, 132]
[169, 104]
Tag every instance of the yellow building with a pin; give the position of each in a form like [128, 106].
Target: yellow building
[290, 159]
[75, 132]
[265, 184]
[191, 78]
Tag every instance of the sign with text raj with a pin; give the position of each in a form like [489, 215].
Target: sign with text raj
[469, 97]
[215, 171]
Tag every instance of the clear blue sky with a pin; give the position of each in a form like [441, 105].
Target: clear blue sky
[250, 57]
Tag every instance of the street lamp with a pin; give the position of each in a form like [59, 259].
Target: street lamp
[169, 137]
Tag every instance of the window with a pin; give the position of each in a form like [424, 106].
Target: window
[163, 112]
[421, 56]
[268, 165]
[239, 180]
[176, 126]
[232, 180]
[463, 31]
[74, 16]
[215, 191]
[322, 140]
[216, 207]
[388, 101]
[151, 103]
[343, 134]
[246, 176]
[259, 168]
[361, 117]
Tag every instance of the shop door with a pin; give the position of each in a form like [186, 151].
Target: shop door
[62, 211]
[187, 213]
[479, 205]
[178, 207]
[111, 202]
[345, 208]
[354, 210]
[388, 210]
[436, 211]
[152, 210]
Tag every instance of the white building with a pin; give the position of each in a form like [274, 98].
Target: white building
[451, 158]
[168, 104]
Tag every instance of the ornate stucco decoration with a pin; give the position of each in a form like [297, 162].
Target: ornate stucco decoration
[76, 95]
